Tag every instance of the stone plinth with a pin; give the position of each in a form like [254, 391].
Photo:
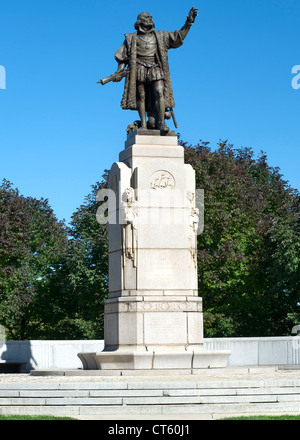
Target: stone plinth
[153, 316]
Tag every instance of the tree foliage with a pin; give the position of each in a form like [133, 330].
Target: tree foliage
[53, 279]
[32, 242]
[248, 255]
[81, 281]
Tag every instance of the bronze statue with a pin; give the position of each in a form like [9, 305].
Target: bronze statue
[148, 87]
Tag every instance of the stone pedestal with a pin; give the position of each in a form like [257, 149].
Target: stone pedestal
[153, 317]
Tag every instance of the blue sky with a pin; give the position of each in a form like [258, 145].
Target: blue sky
[231, 79]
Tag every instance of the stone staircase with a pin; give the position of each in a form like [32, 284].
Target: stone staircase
[154, 397]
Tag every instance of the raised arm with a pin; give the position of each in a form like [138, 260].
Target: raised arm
[190, 20]
[176, 38]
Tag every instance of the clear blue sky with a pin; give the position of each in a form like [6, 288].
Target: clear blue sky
[231, 80]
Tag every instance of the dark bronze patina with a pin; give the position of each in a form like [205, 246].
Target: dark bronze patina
[148, 86]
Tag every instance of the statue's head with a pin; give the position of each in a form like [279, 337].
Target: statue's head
[129, 195]
[144, 22]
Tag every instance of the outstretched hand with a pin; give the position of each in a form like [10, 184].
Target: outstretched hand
[192, 15]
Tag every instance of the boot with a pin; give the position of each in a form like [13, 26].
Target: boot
[163, 128]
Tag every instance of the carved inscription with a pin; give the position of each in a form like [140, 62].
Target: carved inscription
[154, 306]
[171, 329]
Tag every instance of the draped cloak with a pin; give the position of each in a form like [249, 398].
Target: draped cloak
[127, 54]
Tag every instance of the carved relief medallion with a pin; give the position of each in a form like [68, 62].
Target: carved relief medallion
[162, 180]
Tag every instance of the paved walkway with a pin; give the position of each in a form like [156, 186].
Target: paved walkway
[228, 373]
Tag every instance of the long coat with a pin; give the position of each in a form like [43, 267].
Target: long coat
[127, 53]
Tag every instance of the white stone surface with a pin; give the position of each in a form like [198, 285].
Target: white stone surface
[165, 328]
[135, 139]
[195, 328]
[167, 271]
[132, 361]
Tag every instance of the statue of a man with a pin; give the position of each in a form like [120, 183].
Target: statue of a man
[148, 87]
[129, 229]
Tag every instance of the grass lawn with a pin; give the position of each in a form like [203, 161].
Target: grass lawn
[286, 417]
[34, 418]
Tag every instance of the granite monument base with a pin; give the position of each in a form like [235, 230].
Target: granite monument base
[153, 318]
[131, 359]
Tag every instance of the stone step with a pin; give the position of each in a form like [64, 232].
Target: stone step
[194, 374]
[114, 390]
[168, 393]
[119, 397]
[161, 400]
[142, 401]
[151, 397]
[211, 388]
[238, 408]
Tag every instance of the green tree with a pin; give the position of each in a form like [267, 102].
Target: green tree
[248, 255]
[80, 285]
[32, 242]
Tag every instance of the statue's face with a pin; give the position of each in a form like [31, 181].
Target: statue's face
[129, 194]
[146, 21]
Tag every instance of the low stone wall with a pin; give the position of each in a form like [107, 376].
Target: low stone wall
[283, 351]
[47, 354]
